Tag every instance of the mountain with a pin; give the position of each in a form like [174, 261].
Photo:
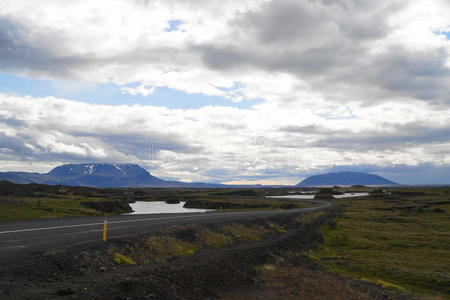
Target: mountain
[98, 175]
[114, 175]
[346, 179]
[104, 175]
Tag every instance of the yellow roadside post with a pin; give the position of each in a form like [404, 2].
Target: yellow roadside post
[105, 229]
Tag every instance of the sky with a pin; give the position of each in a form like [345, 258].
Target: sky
[233, 91]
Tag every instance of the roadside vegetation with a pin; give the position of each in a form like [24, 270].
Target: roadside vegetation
[252, 258]
[398, 239]
[180, 241]
[242, 203]
[22, 208]
[36, 201]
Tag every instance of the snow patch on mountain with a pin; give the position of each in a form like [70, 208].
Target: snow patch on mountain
[118, 168]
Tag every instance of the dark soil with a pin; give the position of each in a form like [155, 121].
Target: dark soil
[299, 278]
[85, 272]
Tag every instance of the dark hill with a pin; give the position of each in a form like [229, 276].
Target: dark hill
[104, 175]
[345, 179]
[98, 175]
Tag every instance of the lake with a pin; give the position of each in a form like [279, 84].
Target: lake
[349, 195]
[309, 197]
[160, 207]
[306, 197]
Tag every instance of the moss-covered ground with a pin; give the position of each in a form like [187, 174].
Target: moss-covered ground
[399, 239]
[21, 208]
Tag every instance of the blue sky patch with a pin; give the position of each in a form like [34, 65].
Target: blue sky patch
[110, 94]
[173, 25]
[446, 33]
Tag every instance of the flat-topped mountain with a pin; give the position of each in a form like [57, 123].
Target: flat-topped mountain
[345, 179]
[97, 175]
[104, 175]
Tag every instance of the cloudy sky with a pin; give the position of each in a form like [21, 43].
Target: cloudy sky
[241, 91]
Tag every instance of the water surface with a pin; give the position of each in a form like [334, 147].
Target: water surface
[160, 207]
[306, 197]
[309, 197]
[350, 195]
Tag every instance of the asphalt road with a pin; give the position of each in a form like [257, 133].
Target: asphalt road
[20, 239]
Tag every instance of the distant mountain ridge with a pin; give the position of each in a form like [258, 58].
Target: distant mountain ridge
[345, 179]
[98, 175]
[116, 175]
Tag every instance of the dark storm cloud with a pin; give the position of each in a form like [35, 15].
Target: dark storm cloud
[43, 57]
[328, 44]
[291, 20]
[222, 58]
[17, 148]
[324, 43]
[310, 129]
[422, 74]
[12, 122]
[388, 136]
[12, 143]
[124, 144]
[18, 55]
[393, 137]
[278, 22]
[145, 144]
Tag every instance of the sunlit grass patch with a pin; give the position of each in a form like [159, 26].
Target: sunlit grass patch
[180, 241]
[214, 239]
[121, 259]
[278, 228]
[252, 233]
[162, 248]
[308, 217]
[389, 285]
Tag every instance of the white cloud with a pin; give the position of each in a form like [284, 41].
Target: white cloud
[139, 90]
[342, 83]
[354, 50]
[246, 40]
[222, 143]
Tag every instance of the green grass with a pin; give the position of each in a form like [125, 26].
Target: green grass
[121, 259]
[400, 242]
[21, 208]
[252, 233]
[162, 248]
[237, 203]
[214, 239]
[32, 201]
[278, 228]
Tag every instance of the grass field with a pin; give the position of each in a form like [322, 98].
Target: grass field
[21, 208]
[400, 241]
[243, 203]
[36, 201]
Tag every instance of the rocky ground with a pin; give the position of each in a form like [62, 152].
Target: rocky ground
[273, 267]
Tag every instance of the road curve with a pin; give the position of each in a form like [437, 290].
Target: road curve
[20, 239]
